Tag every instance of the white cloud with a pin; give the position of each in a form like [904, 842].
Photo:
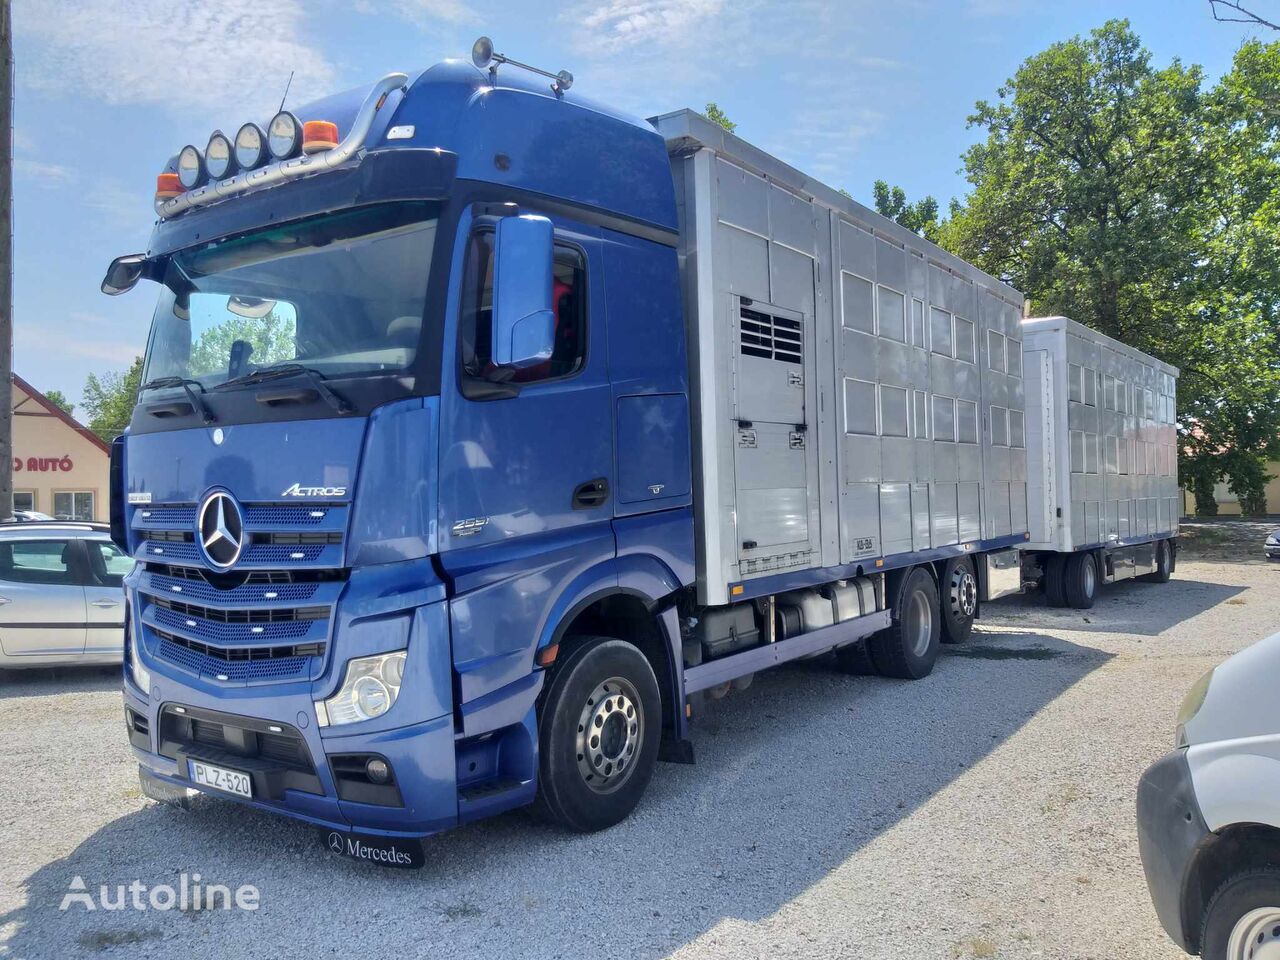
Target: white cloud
[50, 175]
[625, 24]
[421, 11]
[42, 340]
[181, 54]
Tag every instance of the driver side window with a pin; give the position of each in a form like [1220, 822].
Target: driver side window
[569, 297]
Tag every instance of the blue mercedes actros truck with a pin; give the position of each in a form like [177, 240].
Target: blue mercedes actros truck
[485, 431]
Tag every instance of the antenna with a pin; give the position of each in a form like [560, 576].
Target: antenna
[287, 85]
[484, 57]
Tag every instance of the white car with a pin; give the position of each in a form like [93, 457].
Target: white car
[1209, 813]
[61, 599]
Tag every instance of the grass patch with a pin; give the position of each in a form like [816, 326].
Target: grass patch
[980, 947]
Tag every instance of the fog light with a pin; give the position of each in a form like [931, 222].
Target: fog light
[284, 135]
[377, 770]
[191, 171]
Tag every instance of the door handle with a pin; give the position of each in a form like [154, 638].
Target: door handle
[104, 603]
[591, 494]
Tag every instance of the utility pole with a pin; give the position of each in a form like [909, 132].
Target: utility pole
[6, 260]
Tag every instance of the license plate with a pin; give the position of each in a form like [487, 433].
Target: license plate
[383, 851]
[220, 778]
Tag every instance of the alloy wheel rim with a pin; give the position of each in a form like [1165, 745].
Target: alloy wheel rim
[919, 623]
[610, 730]
[1256, 936]
[1090, 578]
[964, 594]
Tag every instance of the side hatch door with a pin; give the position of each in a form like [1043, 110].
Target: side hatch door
[104, 596]
[42, 605]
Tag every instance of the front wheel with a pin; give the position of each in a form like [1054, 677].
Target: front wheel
[1242, 921]
[598, 732]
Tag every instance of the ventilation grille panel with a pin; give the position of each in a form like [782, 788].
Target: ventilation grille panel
[770, 338]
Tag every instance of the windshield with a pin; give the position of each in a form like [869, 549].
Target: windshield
[343, 294]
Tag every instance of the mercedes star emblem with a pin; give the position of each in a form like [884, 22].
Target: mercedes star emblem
[335, 842]
[221, 529]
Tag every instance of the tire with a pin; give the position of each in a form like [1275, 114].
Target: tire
[856, 659]
[1245, 908]
[959, 600]
[1080, 580]
[1164, 563]
[908, 648]
[1054, 585]
[603, 684]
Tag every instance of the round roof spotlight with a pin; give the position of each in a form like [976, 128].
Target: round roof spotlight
[284, 135]
[251, 147]
[219, 159]
[191, 172]
[482, 53]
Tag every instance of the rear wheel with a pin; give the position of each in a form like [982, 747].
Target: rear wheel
[1242, 921]
[959, 600]
[1164, 563]
[1054, 586]
[598, 732]
[1081, 580]
[908, 648]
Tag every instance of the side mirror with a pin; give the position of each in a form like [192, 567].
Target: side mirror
[524, 320]
[123, 274]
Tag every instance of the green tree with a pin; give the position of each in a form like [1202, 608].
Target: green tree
[109, 400]
[921, 217]
[59, 400]
[716, 115]
[1130, 198]
[272, 337]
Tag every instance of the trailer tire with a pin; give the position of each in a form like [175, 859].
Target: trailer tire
[1081, 580]
[908, 648]
[589, 781]
[1054, 580]
[959, 589]
[856, 659]
[1164, 563]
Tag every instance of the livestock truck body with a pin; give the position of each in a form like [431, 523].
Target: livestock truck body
[485, 431]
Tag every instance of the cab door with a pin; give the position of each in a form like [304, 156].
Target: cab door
[107, 567]
[42, 602]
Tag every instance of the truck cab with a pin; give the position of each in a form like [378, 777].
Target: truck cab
[414, 429]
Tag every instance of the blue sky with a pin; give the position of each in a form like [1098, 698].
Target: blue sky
[848, 90]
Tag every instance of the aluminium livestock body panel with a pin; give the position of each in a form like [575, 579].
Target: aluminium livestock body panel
[1102, 446]
[858, 391]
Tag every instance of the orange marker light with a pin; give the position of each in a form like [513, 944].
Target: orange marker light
[168, 186]
[547, 655]
[318, 135]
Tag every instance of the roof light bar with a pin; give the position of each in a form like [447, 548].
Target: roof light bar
[484, 57]
[294, 167]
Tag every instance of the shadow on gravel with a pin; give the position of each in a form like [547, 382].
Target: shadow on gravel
[1128, 607]
[794, 776]
[53, 681]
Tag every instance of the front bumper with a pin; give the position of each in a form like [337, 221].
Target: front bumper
[421, 756]
[1273, 552]
[1170, 827]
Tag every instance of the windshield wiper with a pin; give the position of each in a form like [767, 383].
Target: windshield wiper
[280, 371]
[186, 383]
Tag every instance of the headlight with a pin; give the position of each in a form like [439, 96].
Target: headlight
[368, 690]
[1272, 541]
[284, 135]
[191, 172]
[251, 147]
[141, 675]
[1191, 705]
[218, 158]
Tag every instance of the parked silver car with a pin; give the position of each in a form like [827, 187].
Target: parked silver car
[61, 600]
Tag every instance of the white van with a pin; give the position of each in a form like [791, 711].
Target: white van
[1209, 813]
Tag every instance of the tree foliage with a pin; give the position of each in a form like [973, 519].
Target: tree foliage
[272, 337]
[1145, 205]
[59, 400]
[920, 217]
[109, 399]
[716, 115]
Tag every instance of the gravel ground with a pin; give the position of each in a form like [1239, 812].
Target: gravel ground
[984, 812]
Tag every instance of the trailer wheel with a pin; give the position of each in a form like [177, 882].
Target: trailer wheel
[598, 731]
[959, 600]
[1054, 580]
[1081, 580]
[1243, 917]
[856, 659]
[908, 648]
[1164, 563]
